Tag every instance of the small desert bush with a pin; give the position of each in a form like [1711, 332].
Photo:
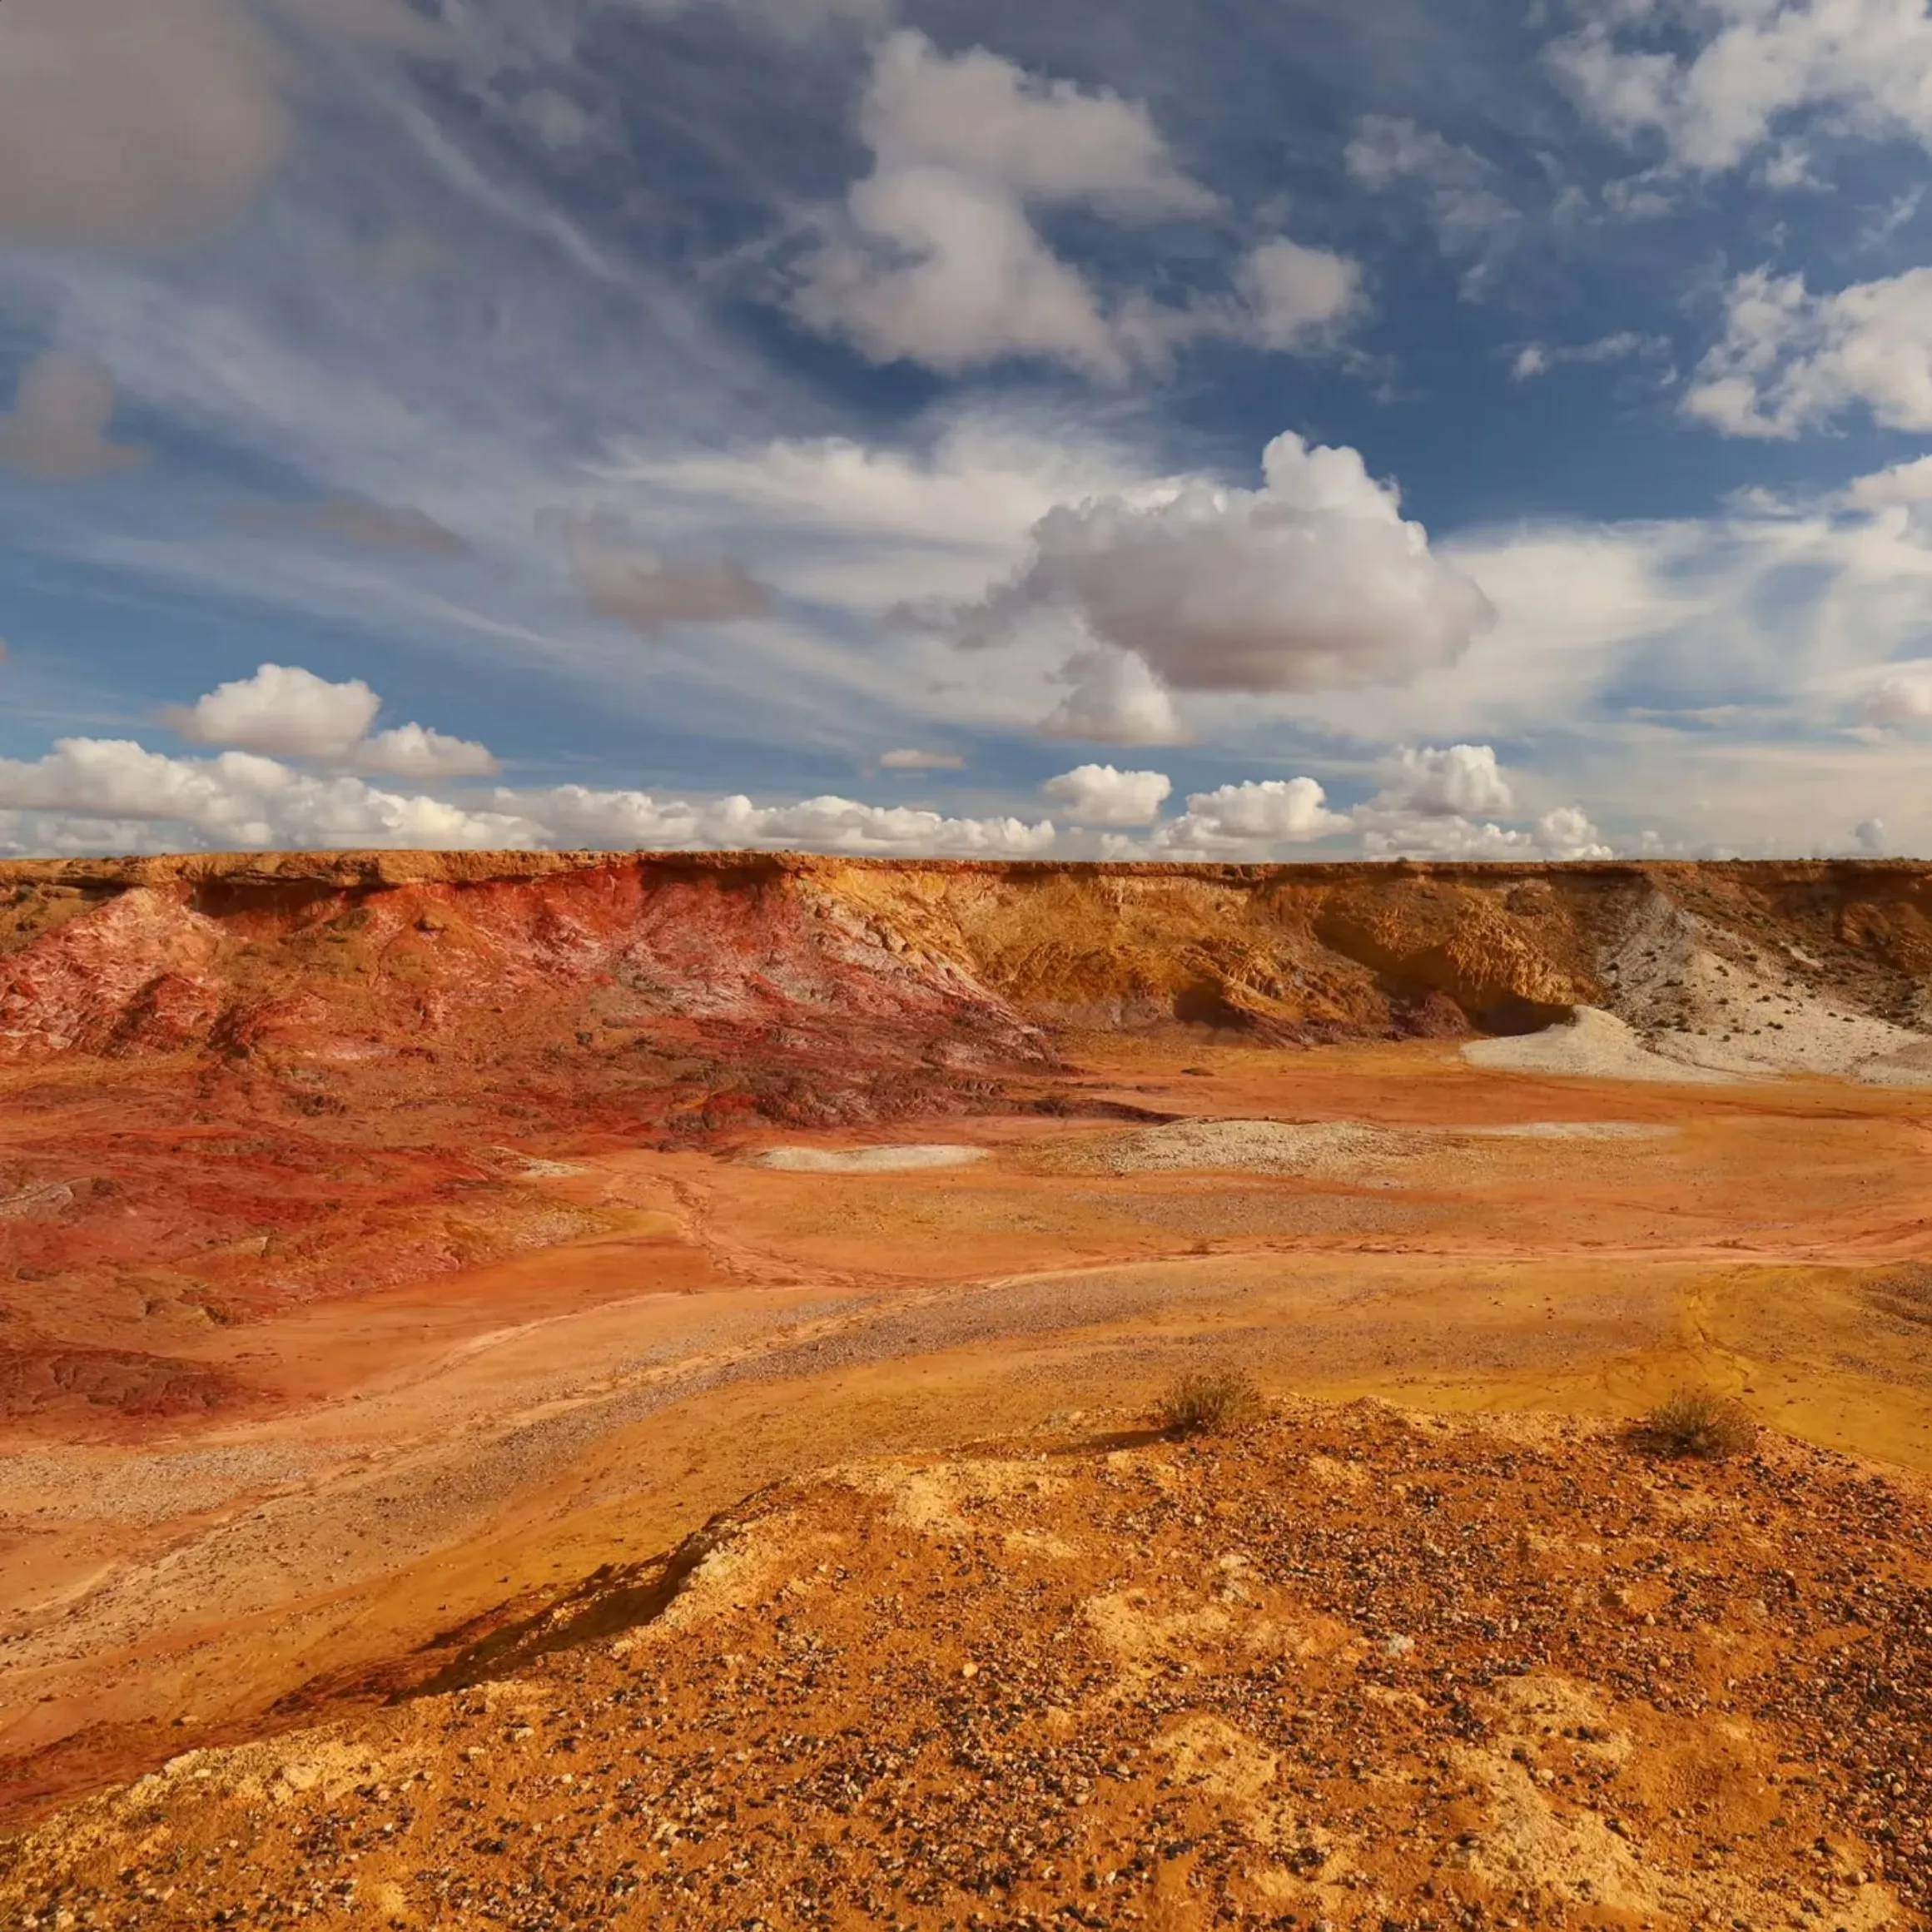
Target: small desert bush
[1207, 1403]
[1697, 1421]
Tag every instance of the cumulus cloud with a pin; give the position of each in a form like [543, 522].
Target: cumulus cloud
[414, 751]
[1261, 813]
[1866, 63]
[913, 760]
[572, 815]
[1113, 698]
[1567, 834]
[653, 594]
[1458, 779]
[1563, 835]
[1791, 360]
[1098, 795]
[284, 711]
[57, 430]
[1312, 582]
[1903, 698]
[235, 800]
[1440, 803]
[937, 258]
[940, 262]
[1298, 296]
[91, 794]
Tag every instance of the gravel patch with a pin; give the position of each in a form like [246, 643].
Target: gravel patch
[1319, 1148]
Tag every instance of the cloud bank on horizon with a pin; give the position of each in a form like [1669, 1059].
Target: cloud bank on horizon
[904, 426]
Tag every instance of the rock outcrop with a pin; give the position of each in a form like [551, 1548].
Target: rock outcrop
[882, 980]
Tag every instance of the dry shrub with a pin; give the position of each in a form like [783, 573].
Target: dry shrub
[1209, 1403]
[1697, 1422]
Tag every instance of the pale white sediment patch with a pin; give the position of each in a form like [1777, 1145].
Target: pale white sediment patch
[1591, 1044]
[866, 1160]
[1735, 1004]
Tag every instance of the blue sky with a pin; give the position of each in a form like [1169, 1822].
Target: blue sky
[1248, 430]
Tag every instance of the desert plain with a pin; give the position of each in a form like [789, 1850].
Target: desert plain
[416, 1264]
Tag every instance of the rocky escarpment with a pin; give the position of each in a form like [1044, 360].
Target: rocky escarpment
[861, 974]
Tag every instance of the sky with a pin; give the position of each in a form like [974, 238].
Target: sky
[1257, 429]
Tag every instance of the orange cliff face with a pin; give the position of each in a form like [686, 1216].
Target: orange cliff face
[947, 969]
[237, 1082]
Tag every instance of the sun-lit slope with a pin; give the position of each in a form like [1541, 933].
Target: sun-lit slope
[1348, 1668]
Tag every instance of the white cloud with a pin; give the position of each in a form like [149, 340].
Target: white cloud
[918, 760]
[978, 116]
[871, 526]
[653, 594]
[1253, 818]
[1298, 296]
[1313, 582]
[573, 816]
[1904, 699]
[1113, 698]
[1439, 805]
[1563, 835]
[1537, 359]
[90, 794]
[1104, 795]
[1790, 360]
[1902, 483]
[1457, 184]
[284, 711]
[937, 259]
[57, 431]
[947, 272]
[236, 801]
[1459, 779]
[413, 751]
[1566, 834]
[1865, 63]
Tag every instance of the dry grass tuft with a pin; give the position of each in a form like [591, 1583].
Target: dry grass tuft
[1697, 1422]
[1210, 1403]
